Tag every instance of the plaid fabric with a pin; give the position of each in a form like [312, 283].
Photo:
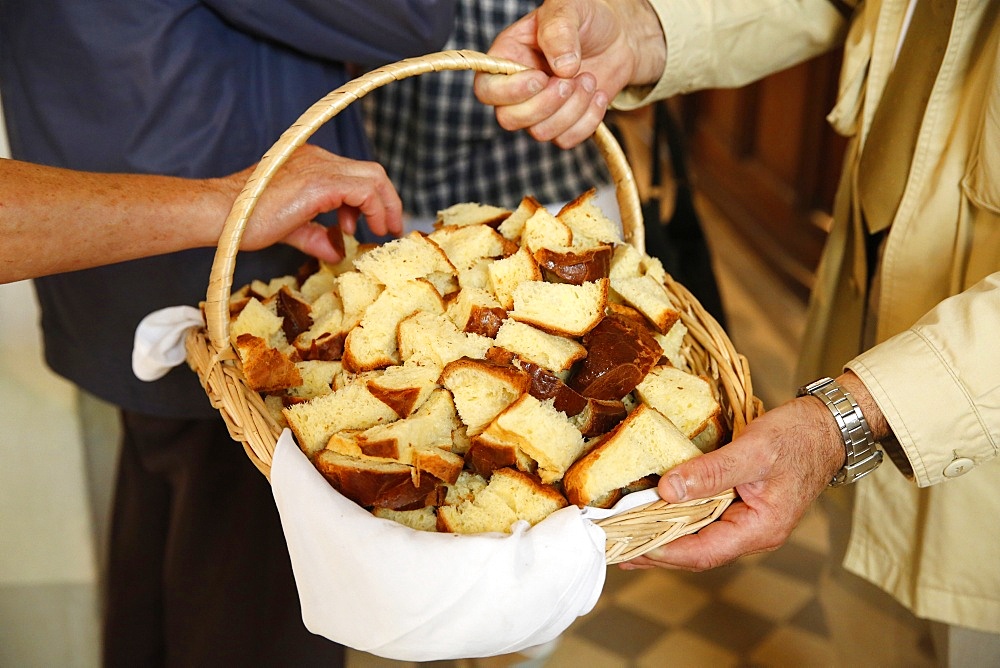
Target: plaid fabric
[441, 146]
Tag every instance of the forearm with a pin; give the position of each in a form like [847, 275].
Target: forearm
[55, 220]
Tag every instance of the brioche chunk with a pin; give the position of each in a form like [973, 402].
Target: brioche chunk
[372, 344]
[626, 262]
[543, 433]
[422, 519]
[404, 259]
[472, 213]
[465, 246]
[352, 407]
[672, 343]
[492, 450]
[433, 338]
[476, 276]
[352, 249]
[620, 352]
[543, 230]
[317, 285]
[555, 353]
[482, 389]
[510, 496]
[266, 369]
[576, 267]
[512, 227]
[357, 292]
[649, 297]
[261, 321]
[589, 224]
[324, 340]
[317, 378]
[264, 290]
[685, 399]
[373, 483]
[464, 489]
[711, 435]
[477, 311]
[431, 426]
[508, 273]
[561, 308]
[645, 443]
[404, 388]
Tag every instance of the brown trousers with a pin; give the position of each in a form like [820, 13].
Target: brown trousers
[198, 569]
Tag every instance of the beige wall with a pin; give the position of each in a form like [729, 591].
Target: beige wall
[47, 563]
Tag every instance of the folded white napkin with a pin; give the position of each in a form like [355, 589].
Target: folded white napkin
[382, 588]
[159, 341]
[386, 589]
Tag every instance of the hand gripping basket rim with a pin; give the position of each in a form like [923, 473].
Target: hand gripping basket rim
[707, 349]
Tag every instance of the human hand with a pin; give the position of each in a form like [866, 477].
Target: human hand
[781, 462]
[582, 53]
[311, 182]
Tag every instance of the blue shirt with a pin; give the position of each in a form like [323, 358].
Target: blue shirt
[186, 88]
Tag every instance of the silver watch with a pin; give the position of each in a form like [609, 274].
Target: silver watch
[863, 453]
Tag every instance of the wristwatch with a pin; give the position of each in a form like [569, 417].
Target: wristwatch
[863, 453]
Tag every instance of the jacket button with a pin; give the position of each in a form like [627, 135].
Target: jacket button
[958, 466]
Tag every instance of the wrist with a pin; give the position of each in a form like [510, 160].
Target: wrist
[648, 44]
[861, 452]
[873, 414]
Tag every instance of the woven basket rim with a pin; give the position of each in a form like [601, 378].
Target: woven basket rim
[710, 352]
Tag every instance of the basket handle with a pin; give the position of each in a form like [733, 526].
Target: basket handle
[221, 279]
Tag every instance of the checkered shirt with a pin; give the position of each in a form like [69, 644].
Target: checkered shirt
[441, 146]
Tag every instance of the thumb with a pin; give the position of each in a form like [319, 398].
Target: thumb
[708, 475]
[558, 37]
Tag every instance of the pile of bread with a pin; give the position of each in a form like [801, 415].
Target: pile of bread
[498, 369]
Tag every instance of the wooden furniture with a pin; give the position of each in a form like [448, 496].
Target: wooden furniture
[766, 157]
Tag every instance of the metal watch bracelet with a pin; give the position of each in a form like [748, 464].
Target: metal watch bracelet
[863, 453]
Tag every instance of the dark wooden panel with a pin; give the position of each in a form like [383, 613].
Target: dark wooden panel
[765, 155]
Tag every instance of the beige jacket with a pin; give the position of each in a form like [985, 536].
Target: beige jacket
[936, 371]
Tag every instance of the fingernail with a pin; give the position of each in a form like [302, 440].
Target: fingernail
[588, 84]
[678, 485]
[565, 88]
[534, 86]
[565, 60]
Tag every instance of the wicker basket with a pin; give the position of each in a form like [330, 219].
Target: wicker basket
[707, 348]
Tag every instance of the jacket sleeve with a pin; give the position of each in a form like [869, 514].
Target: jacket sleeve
[363, 31]
[938, 383]
[730, 44]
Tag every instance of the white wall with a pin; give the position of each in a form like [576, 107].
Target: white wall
[48, 556]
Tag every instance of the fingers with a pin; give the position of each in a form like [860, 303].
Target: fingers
[500, 90]
[312, 239]
[565, 111]
[558, 35]
[740, 531]
[377, 200]
[313, 182]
